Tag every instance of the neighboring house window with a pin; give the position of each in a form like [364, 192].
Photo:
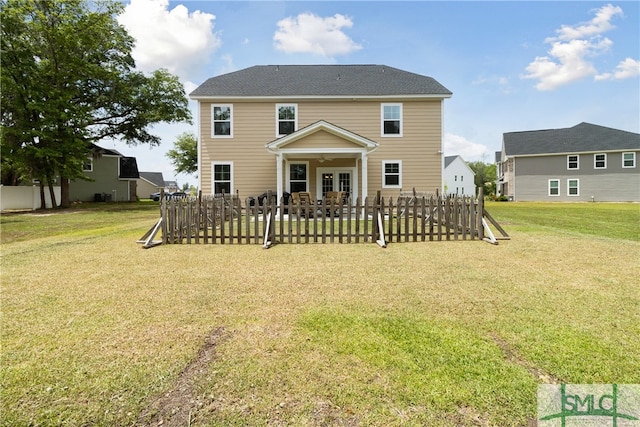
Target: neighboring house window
[87, 166]
[461, 178]
[455, 177]
[286, 119]
[391, 119]
[222, 177]
[554, 187]
[573, 162]
[600, 161]
[297, 177]
[573, 187]
[392, 174]
[628, 160]
[222, 121]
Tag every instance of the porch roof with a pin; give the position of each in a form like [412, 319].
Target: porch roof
[360, 143]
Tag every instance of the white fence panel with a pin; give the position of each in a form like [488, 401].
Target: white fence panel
[22, 197]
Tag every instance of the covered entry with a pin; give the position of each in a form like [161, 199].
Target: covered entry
[322, 157]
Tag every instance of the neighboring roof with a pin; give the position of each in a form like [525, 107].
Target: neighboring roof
[584, 137]
[129, 168]
[320, 81]
[99, 151]
[448, 160]
[154, 178]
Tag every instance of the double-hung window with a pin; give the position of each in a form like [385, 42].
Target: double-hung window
[222, 177]
[286, 119]
[87, 165]
[600, 161]
[297, 177]
[573, 161]
[628, 160]
[391, 118]
[554, 187]
[573, 187]
[222, 121]
[392, 174]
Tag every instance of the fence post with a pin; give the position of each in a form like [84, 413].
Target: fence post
[480, 214]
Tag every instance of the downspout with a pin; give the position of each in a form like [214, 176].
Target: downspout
[199, 142]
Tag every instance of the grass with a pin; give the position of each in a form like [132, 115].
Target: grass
[94, 328]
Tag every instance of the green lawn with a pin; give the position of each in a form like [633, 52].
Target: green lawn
[97, 331]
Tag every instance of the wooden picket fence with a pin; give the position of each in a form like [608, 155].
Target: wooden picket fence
[225, 219]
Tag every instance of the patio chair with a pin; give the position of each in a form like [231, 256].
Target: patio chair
[303, 199]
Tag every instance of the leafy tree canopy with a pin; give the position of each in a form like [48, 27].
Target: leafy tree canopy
[68, 80]
[184, 155]
[485, 177]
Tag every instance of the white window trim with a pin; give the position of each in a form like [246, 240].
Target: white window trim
[549, 188]
[595, 156]
[384, 163]
[391, 135]
[90, 165]
[634, 160]
[569, 187]
[288, 173]
[213, 175]
[577, 156]
[295, 124]
[213, 135]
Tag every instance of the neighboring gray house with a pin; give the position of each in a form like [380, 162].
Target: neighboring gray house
[457, 177]
[149, 183]
[112, 177]
[585, 162]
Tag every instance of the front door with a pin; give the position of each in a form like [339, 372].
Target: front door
[335, 179]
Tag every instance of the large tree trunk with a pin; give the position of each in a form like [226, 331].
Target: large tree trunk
[43, 200]
[65, 202]
[52, 194]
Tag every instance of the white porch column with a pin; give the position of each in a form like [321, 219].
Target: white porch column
[365, 173]
[279, 188]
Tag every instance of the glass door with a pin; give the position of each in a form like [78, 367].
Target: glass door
[330, 179]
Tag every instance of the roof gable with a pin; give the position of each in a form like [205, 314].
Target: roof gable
[584, 137]
[320, 81]
[360, 142]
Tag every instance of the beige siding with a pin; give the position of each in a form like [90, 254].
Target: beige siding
[255, 126]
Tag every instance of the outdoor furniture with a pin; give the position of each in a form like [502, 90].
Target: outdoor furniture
[304, 201]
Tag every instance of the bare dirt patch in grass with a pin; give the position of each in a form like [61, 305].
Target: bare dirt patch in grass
[178, 406]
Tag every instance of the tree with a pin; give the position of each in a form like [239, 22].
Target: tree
[184, 156]
[68, 80]
[485, 177]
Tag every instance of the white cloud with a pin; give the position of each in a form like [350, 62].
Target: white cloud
[173, 39]
[601, 23]
[309, 33]
[626, 69]
[572, 50]
[459, 145]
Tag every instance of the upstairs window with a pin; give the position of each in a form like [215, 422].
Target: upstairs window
[573, 161]
[628, 160]
[391, 119]
[286, 119]
[600, 161]
[87, 166]
[222, 121]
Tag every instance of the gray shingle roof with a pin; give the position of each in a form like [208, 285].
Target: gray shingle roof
[448, 160]
[155, 178]
[584, 137]
[320, 80]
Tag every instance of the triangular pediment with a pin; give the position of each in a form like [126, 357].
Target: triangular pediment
[322, 135]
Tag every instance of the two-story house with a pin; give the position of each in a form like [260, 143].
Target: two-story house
[458, 178]
[320, 128]
[585, 162]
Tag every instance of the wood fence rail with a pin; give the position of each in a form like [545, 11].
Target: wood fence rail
[224, 219]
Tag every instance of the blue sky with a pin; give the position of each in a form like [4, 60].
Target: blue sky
[511, 66]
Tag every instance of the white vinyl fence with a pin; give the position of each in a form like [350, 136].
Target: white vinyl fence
[23, 197]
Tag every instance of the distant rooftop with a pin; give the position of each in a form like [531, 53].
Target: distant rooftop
[584, 137]
[320, 81]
